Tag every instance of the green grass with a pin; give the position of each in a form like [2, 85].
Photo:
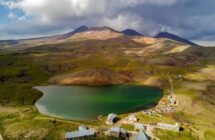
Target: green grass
[210, 134]
[17, 123]
[18, 94]
[22, 70]
[152, 119]
[128, 127]
[170, 135]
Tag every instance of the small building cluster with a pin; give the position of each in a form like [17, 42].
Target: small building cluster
[172, 100]
[83, 132]
[167, 104]
[166, 108]
[138, 132]
[125, 135]
[118, 132]
[149, 112]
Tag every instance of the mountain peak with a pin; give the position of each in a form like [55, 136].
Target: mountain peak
[131, 32]
[81, 28]
[97, 33]
[173, 37]
[77, 30]
[102, 28]
[128, 32]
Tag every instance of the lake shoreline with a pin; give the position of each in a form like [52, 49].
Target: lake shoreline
[143, 107]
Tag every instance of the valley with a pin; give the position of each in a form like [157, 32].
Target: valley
[103, 56]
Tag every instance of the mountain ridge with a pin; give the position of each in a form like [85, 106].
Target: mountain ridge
[77, 30]
[131, 32]
[173, 37]
[83, 29]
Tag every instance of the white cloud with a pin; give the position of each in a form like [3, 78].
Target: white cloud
[12, 15]
[205, 43]
[122, 21]
[49, 11]
[162, 2]
[47, 17]
[22, 18]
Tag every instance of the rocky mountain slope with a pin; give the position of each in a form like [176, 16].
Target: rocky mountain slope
[173, 37]
[97, 76]
[85, 33]
[131, 32]
[78, 52]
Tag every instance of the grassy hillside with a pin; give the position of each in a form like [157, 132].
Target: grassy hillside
[191, 68]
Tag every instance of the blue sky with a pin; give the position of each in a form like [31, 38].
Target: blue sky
[191, 19]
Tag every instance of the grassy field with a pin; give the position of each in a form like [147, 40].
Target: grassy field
[169, 135]
[128, 127]
[144, 64]
[210, 134]
[18, 94]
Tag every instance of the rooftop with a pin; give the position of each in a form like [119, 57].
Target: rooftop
[82, 133]
[168, 125]
[139, 126]
[141, 136]
[111, 118]
[80, 128]
[118, 130]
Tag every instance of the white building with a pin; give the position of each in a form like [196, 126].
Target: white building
[81, 133]
[80, 128]
[132, 118]
[118, 132]
[111, 119]
[175, 127]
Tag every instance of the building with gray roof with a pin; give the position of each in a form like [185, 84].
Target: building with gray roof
[118, 132]
[80, 134]
[175, 127]
[141, 136]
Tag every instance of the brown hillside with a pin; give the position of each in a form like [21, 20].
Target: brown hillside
[91, 77]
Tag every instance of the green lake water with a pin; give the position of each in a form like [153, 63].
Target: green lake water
[87, 102]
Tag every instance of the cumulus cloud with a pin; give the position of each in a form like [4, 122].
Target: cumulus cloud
[22, 18]
[122, 21]
[49, 11]
[12, 15]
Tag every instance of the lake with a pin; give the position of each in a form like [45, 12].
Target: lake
[87, 102]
